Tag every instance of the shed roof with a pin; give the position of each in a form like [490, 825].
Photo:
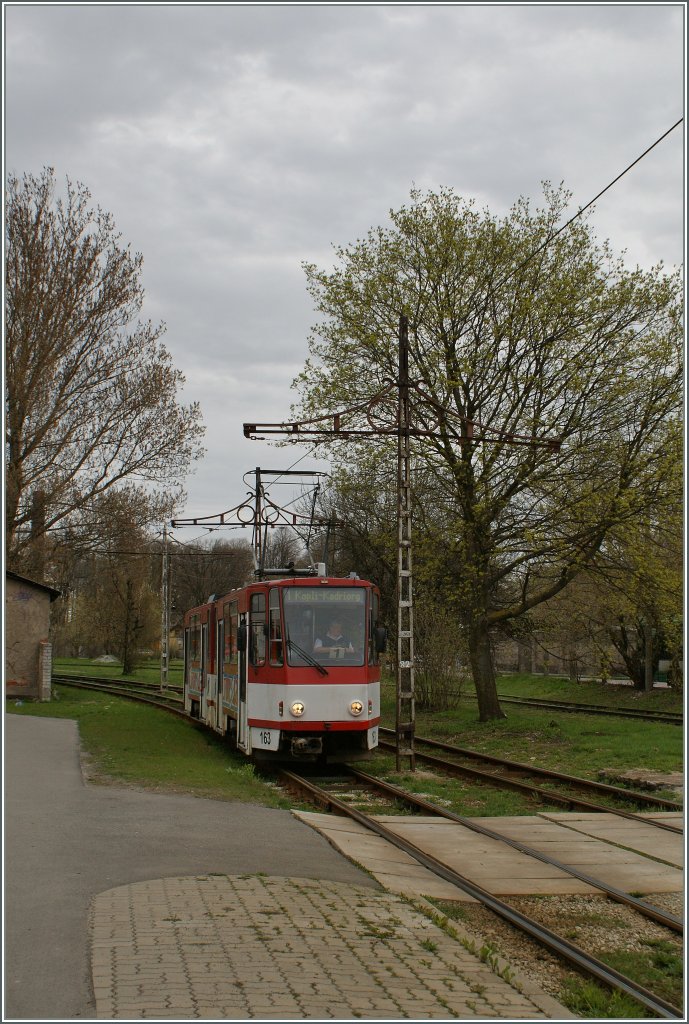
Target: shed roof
[54, 594]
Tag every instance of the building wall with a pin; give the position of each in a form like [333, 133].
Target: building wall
[27, 620]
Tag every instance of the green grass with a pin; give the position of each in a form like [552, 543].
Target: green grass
[147, 671]
[138, 745]
[132, 748]
[590, 1000]
[659, 967]
[133, 744]
[587, 692]
[461, 796]
[580, 744]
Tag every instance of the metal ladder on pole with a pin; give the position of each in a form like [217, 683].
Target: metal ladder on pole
[405, 707]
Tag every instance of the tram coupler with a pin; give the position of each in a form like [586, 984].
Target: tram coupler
[305, 746]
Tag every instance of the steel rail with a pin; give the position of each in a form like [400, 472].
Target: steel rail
[562, 947]
[122, 691]
[619, 895]
[547, 773]
[663, 717]
[115, 681]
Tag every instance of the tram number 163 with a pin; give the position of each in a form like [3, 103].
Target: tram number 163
[268, 739]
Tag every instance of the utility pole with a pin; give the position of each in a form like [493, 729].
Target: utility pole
[405, 717]
[165, 614]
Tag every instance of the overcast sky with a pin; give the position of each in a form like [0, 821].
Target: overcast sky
[233, 142]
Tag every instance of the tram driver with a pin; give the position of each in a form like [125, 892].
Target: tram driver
[334, 642]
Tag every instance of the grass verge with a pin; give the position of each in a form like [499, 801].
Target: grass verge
[147, 671]
[577, 743]
[133, 744]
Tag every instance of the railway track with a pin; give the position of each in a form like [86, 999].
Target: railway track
[511, 775]
[145, 693]
[330, 799]
[504, 773]
[663, 717]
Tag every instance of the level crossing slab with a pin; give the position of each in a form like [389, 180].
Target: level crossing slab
[661, 844]
[502, 870]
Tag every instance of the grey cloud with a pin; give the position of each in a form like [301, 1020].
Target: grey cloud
[232, 142]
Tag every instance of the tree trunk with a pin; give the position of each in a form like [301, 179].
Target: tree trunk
[128, 631]
[648, 659]
[481, 660]
[629, 649]
[573, 665]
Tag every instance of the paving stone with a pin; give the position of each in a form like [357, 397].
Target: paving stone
[328, 960]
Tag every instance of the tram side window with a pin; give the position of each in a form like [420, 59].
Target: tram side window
[230, 619]
[275, 633]
[258, 629]
[194, 640]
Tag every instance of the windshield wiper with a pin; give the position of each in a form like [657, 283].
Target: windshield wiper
[307, 657]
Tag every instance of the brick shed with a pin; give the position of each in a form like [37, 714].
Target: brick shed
[28, 653]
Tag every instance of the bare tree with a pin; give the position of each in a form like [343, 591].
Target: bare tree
[197, 571]
[281, 547]
[91, 393]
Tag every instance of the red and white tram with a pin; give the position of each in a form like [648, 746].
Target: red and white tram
[256, 667]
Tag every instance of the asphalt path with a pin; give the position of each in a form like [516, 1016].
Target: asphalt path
[66, 841]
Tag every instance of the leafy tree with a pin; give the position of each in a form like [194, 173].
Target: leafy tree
[91, 393]
[641, 571]
[360, 504]
[516, 331]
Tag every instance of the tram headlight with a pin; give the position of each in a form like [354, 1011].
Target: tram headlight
[356, 707]
[297, 709]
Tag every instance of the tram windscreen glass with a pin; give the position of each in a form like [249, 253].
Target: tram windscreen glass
[328, 625]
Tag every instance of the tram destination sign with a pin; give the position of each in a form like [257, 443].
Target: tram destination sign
[333, 595]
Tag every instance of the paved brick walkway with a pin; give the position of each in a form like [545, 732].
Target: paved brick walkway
[252, 946]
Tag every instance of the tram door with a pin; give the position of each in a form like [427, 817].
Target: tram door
[209, 695]
[243, 741]
[204, 670]
[219, 717]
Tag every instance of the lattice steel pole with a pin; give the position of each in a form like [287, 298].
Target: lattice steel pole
[405, 707]
[165, 615]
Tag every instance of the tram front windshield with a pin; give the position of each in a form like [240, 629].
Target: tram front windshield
[327, 625]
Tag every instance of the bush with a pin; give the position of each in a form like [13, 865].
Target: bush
[437, 657]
